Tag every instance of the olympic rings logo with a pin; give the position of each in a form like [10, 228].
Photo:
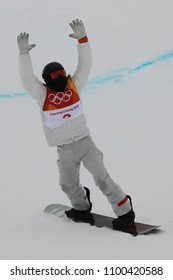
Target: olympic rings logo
[59, 97]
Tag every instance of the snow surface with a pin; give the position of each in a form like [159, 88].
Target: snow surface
[128, 103]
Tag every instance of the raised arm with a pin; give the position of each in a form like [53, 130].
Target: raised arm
[84, 54]
[29, 81]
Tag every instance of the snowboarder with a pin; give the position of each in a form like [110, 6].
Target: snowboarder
[64, 123]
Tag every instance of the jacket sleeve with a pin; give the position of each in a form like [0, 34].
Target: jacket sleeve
[84, 65]
[29, 81]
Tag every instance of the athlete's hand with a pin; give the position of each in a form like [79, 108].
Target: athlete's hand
[23, 43]
[78, 29]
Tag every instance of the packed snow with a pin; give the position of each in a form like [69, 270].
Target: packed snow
[128, 102]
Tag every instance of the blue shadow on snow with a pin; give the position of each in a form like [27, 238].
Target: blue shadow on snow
[116, 76]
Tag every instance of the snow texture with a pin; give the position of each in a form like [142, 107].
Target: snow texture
[128, 103]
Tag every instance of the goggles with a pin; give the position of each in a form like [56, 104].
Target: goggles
[56, 73]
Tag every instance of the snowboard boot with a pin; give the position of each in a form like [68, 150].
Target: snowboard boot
[126, 220]
[77, 215]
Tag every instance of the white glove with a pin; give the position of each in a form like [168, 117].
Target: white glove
[78, 29]
[23, 44]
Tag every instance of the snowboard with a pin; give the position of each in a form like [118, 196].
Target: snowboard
[101, 221]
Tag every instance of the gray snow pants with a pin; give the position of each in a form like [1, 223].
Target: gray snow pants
[85, 151]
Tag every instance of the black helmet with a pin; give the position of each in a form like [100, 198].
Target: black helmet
[57, 84]
[51, 67]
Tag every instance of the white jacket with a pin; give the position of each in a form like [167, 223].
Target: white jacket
[73, 129]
